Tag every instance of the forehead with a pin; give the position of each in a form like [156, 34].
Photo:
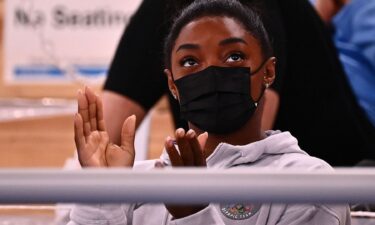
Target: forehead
[212, 27]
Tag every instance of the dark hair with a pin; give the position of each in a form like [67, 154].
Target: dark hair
[247, 16]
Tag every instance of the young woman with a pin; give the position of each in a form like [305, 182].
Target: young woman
[218, 63]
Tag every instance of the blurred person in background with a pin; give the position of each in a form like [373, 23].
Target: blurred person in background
[310, 96]
[352, 23]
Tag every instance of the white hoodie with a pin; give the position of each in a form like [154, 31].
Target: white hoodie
[278, 150]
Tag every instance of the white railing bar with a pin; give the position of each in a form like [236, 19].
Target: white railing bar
[186, 186]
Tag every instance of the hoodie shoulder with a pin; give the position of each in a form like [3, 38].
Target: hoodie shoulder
[305, 161]
[278, 150]
[289, 154]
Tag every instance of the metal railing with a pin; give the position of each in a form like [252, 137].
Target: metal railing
[186, 186]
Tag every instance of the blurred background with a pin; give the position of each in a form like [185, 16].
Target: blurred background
[49, 50]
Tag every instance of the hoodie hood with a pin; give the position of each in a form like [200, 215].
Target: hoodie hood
[275, 143]
[226, 155]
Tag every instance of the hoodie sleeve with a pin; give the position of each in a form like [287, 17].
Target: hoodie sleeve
[207, 216]
[101, 214]
[315, 215]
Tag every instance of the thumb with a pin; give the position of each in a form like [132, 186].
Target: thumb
[202, 139]
[128, 135]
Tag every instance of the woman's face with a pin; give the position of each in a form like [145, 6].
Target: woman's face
[216, 41]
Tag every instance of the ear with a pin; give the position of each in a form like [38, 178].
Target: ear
[171, 84]
[269, 71]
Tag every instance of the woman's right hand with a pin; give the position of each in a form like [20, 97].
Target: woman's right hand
[91, 137]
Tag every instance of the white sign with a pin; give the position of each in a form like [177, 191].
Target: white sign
[60, 41]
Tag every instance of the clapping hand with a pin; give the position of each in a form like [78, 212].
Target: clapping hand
[190, 154]
[91, 137]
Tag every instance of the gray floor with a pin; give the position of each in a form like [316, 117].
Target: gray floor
[27, 220]
[363, 221]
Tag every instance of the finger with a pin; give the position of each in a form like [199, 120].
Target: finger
[79, 137]
[102, 146]
[202, 139]
[184, 147]
[199, 159]
[83, 110]
[128, 135]
[99, 115]
[174, 156]
[91, 98]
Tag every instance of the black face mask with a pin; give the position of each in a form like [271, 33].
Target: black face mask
[217, 99]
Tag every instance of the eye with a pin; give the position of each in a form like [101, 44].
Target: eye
[235, 57]
[188, 62]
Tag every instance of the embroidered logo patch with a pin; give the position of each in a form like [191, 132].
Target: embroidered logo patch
[239, 211]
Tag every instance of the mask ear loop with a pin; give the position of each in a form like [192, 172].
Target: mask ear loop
[174, 96]
[172, 77]
[264, 86]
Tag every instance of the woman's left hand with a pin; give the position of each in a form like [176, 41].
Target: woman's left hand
[190, 154]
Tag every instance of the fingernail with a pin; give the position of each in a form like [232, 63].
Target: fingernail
[180, 132]
[168, 140]
[190, 133]
[171, 141]
[159, 164]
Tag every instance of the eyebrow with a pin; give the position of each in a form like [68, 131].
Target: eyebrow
[188, 46]
[232, 40]
[227, 41]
